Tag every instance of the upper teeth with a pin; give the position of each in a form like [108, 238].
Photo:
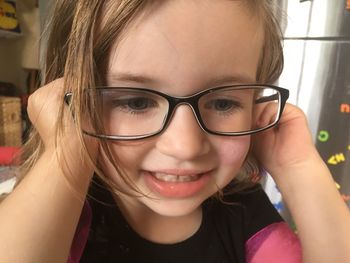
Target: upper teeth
[175, 178]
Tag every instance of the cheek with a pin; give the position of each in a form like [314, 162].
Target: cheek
[232, 151]
[130, 154]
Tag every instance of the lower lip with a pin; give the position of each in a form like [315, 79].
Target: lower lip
[178, 189]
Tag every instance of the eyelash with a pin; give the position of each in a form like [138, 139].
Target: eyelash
[124, 105]
[235, 106]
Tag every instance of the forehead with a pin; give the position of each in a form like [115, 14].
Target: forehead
[188, 43]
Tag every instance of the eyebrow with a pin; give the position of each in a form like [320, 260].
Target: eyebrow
[231, 79]
[131, 77]
[149, 80]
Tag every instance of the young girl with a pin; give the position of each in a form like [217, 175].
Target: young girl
[145, 135]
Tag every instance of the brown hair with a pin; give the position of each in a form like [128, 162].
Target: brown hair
[77, 43]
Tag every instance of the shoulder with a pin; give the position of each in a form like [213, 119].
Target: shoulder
[94, 230]
[251, 208]
[267, 237]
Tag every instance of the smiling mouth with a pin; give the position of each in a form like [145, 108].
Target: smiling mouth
[172, 178]
[175, 183]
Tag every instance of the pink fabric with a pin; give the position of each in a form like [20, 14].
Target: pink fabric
[7, 154]
[81, 234]
[275, 243]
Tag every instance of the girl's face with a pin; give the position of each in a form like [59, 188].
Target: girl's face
[180, 48]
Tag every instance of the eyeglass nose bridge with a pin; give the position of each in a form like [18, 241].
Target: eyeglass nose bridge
[192, 102]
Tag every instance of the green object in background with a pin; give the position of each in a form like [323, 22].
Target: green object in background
[323, 136]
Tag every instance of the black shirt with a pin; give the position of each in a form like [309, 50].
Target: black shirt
[221, 237]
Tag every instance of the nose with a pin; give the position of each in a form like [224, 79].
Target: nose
[183, 139]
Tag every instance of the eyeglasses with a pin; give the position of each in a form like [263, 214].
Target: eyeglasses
[136, 113]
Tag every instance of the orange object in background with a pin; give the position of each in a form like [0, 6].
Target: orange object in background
[348, 5]
[7, 155]
[345, 108]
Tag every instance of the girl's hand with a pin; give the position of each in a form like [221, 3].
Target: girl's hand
[286, 146]
[43, 111]
[45, 206]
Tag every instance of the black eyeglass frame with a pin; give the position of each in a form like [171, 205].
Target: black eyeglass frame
[192, 101]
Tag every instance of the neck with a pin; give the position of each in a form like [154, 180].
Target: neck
[158, 228]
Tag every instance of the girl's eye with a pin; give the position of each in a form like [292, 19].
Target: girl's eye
[138, 104]
[222, 105]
